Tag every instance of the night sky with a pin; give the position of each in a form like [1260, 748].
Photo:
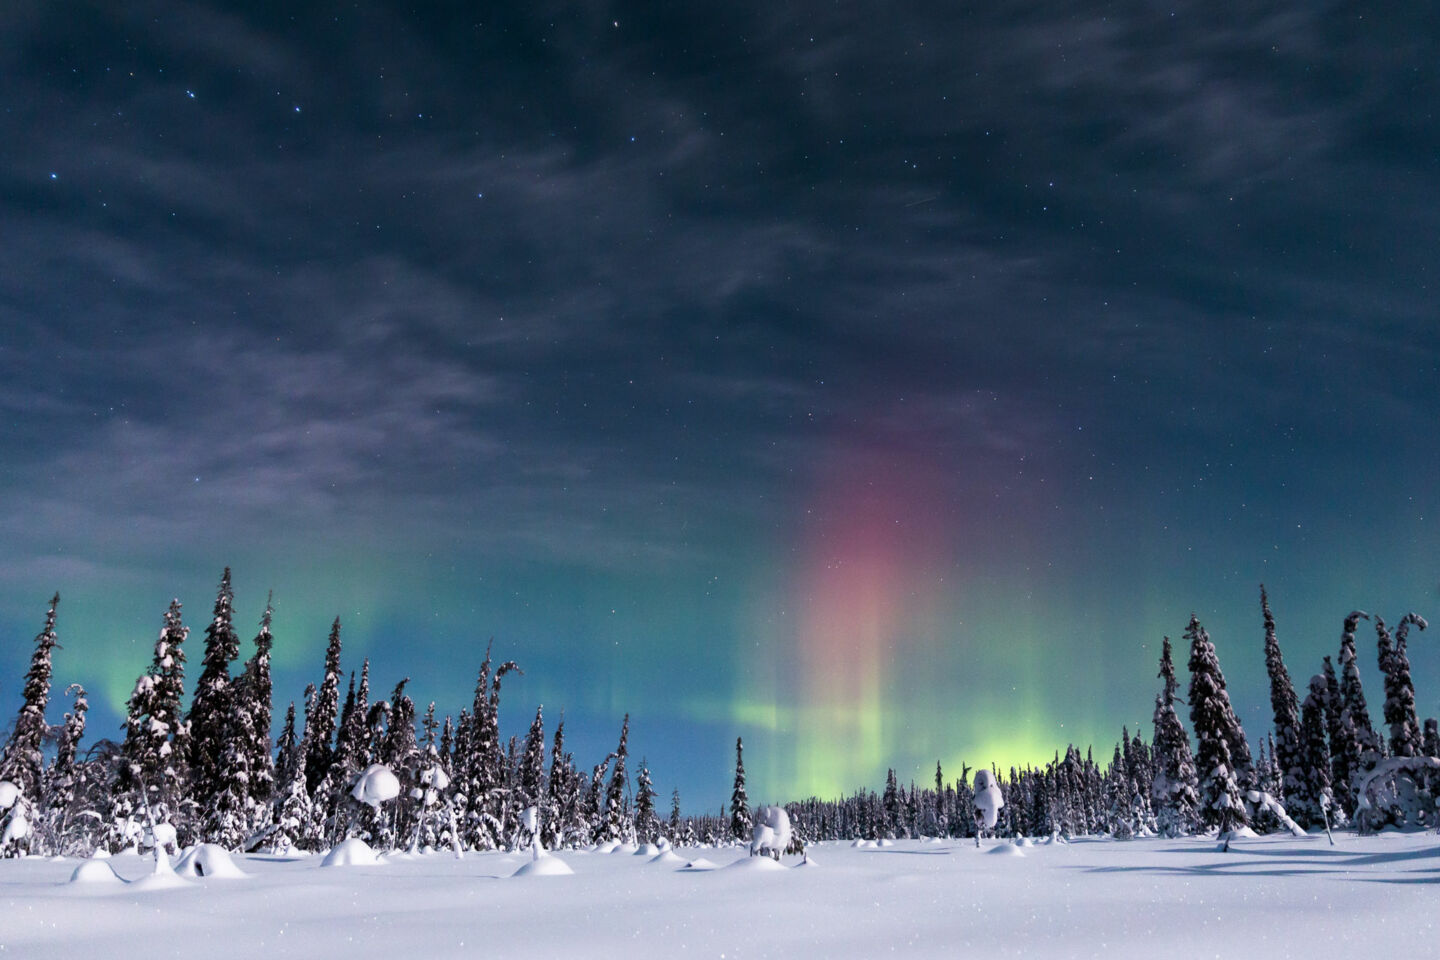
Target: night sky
[874, 381]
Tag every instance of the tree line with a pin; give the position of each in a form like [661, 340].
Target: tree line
[214, 773]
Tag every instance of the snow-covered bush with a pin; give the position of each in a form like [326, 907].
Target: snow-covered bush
[771, 832]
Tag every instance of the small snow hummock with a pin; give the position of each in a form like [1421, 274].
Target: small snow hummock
[208, 860]
[647, 850]
[757, 865]
[164, 877]
[699, 864]
[667, 856]
[544, 866]
[95, 871]
[352, 853]
[1006, 850]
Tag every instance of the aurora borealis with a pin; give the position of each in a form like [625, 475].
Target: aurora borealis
[876, 382]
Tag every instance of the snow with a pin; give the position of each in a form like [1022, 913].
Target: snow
[94, 871]
[376, 785]
[1277, 894]
[208, 860]
[351, 853]
[771, 832]
[9, 793]
[988, 799]
[545, 866]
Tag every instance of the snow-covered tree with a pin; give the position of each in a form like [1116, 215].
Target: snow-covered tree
[1343, 747]
[1216, 731]
[64, 779]
[154, 746]
[1286, 753]
[613, 827]
[22, 762]
[1400, 716]
[1359, 742]
[1175, 790]
[890, 803]
[646, 826]
[740, 826]
[1311, 796]
[532, 764]
[254, 712]
[211, 713]
[321, 715]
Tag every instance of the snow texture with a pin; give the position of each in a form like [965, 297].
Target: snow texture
[208, 860]
[351, 853]
[1302, 898]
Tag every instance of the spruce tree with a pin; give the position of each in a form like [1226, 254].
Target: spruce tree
[645, 823]
[614, 813]
[1343, 747]
[154, 745]
[320, 718]
[532, 764]
[891, 807]
[22, 762]
[739, 801]
[1357, 731]
[1400, 716]
[1286, 753]
[1311, 796]
[1216, 729]
[1175, 790]
[63, 779]
[256, 711]
[1118, 790]
[212, 710]
[288, 758]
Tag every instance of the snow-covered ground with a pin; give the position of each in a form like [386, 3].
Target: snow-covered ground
[1270, 898]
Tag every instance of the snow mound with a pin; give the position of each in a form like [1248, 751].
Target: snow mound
[376, 785]
[1243, 833]
[862, 843]
[1006, 850]
[647, 850]
[609, 846]
[1024, 842]
[208, 860]
[699, 863]
[95, 871]
[756, 865]
[627, 848]
[163, 878]
[666, 856]
[351, 853]
[544, 867]
[885, 843]
[809, 861]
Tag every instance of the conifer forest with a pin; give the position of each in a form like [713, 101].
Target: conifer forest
[208, 760]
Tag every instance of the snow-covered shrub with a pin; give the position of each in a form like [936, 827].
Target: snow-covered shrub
[771, 832]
